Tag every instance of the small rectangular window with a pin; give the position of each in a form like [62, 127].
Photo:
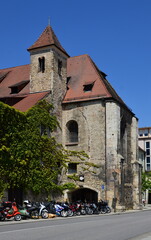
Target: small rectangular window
[148, 159]
[147, 144]
[72, 168]
[140, 133]
[147, 151]
[146, 132]
[148, 167]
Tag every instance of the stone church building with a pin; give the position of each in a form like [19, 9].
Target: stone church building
[93, 118]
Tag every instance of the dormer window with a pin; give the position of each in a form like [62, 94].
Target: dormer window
[88, 87]
[59, 67]
[68, 79]
[16, 88]
[3, 75]
[41, 64]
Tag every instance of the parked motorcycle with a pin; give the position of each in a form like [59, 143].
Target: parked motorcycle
[75, 208]
[60, 210]
[34, 210]
[9, 210]
[103, 207]
[67, 209]
[42, 210]
[2, 214]
[50, 207]
[88, 209]
[94, 208]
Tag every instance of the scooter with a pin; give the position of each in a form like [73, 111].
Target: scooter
[42, 210]
[10, 211]
[29, 211]
[34, 210]
[2, 214]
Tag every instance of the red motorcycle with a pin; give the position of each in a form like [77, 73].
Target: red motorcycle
[75, 208]
[10, 210]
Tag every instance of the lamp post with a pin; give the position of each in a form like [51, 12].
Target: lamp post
[114, 199]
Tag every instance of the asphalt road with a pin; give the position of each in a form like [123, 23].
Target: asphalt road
[103, 227]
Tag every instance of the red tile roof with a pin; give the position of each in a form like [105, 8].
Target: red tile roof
[47, 38]
[81, 71]
[14, 76]
[30, 101]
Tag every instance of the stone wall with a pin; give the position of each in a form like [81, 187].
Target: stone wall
[50, 80]
[107, 132]
[90, 117]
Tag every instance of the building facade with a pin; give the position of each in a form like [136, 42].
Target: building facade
[145, 145]
[93, 118]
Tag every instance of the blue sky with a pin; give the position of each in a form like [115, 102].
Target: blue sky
[115, 33]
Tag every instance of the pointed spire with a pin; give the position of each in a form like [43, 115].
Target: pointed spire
[47, 38]
[49, 21]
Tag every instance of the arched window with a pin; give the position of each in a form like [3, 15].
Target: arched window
[72, 131]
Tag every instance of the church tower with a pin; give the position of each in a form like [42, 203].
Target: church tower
[48, 66]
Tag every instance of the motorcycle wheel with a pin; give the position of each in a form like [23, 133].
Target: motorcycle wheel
[83, 212]
[108, 209]
[34, 214]
[103, 211]
[64, 213]
[44, 214]
[70, 213]
[2, 218]
[17, 217]
[78, 213]
[89, 211]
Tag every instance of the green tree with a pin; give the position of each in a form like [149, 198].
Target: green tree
[146, 181]
[30, 157]
[12, 123]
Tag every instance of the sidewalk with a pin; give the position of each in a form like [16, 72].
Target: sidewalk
[147, 207]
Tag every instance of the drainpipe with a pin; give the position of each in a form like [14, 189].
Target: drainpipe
[122, 181]
[105, 158]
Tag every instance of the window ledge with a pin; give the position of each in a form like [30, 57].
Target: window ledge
[71, 143]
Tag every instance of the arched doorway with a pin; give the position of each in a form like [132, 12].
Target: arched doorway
[83, 194]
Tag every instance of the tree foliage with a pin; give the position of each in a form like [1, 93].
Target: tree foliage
[30, 158]
[146, 181]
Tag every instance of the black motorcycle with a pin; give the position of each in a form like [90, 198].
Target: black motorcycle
[103, 207]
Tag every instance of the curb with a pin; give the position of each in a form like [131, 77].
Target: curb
[11, 221]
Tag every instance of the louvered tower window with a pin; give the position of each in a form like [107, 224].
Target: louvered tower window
[41, 64]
